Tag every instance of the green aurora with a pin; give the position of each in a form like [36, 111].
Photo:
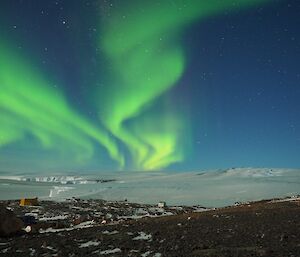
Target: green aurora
[28, 104]
[144, 48]
[146, 60]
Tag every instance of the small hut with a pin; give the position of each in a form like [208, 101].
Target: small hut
[162, 204]
[28, 201]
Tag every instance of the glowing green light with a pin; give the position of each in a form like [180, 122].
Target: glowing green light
[29, 105]
[142, 44]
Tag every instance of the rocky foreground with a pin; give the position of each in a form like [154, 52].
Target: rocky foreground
[99, 228]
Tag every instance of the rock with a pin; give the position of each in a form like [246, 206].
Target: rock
[9, 223]
[27, 229]
[81, 218]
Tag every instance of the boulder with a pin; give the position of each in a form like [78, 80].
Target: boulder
[9, 223]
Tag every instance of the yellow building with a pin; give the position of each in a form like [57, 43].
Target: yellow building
[28, 201]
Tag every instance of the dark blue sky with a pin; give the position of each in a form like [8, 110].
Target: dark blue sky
[240, 88]
[244, 82]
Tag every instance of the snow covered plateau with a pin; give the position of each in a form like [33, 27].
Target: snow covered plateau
[210, 189]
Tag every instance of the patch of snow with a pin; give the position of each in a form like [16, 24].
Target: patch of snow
[116, 250]
[5, 250]
[178, 208]
[32, 251]
[286, 200]
[86, 224]
[167, 213]
[143, 236]
[108, 215]
[59, 217]
[89, 243]
[201, 209]
[58, 189]
[35, 210]
[98, 214]
[141, 211]
[86, 182]
[146, 254]
[51, 248]
[106, 232]
[18, 178]
[157, 209]
[135, 217]
[55, 230]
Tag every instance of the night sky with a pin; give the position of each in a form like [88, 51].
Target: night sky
[104, 85]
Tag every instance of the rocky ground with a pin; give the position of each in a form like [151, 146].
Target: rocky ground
[99, 228]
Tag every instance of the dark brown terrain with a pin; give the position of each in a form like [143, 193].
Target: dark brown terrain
[99, 228]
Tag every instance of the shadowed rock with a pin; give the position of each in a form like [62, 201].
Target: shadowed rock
[9, 223]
